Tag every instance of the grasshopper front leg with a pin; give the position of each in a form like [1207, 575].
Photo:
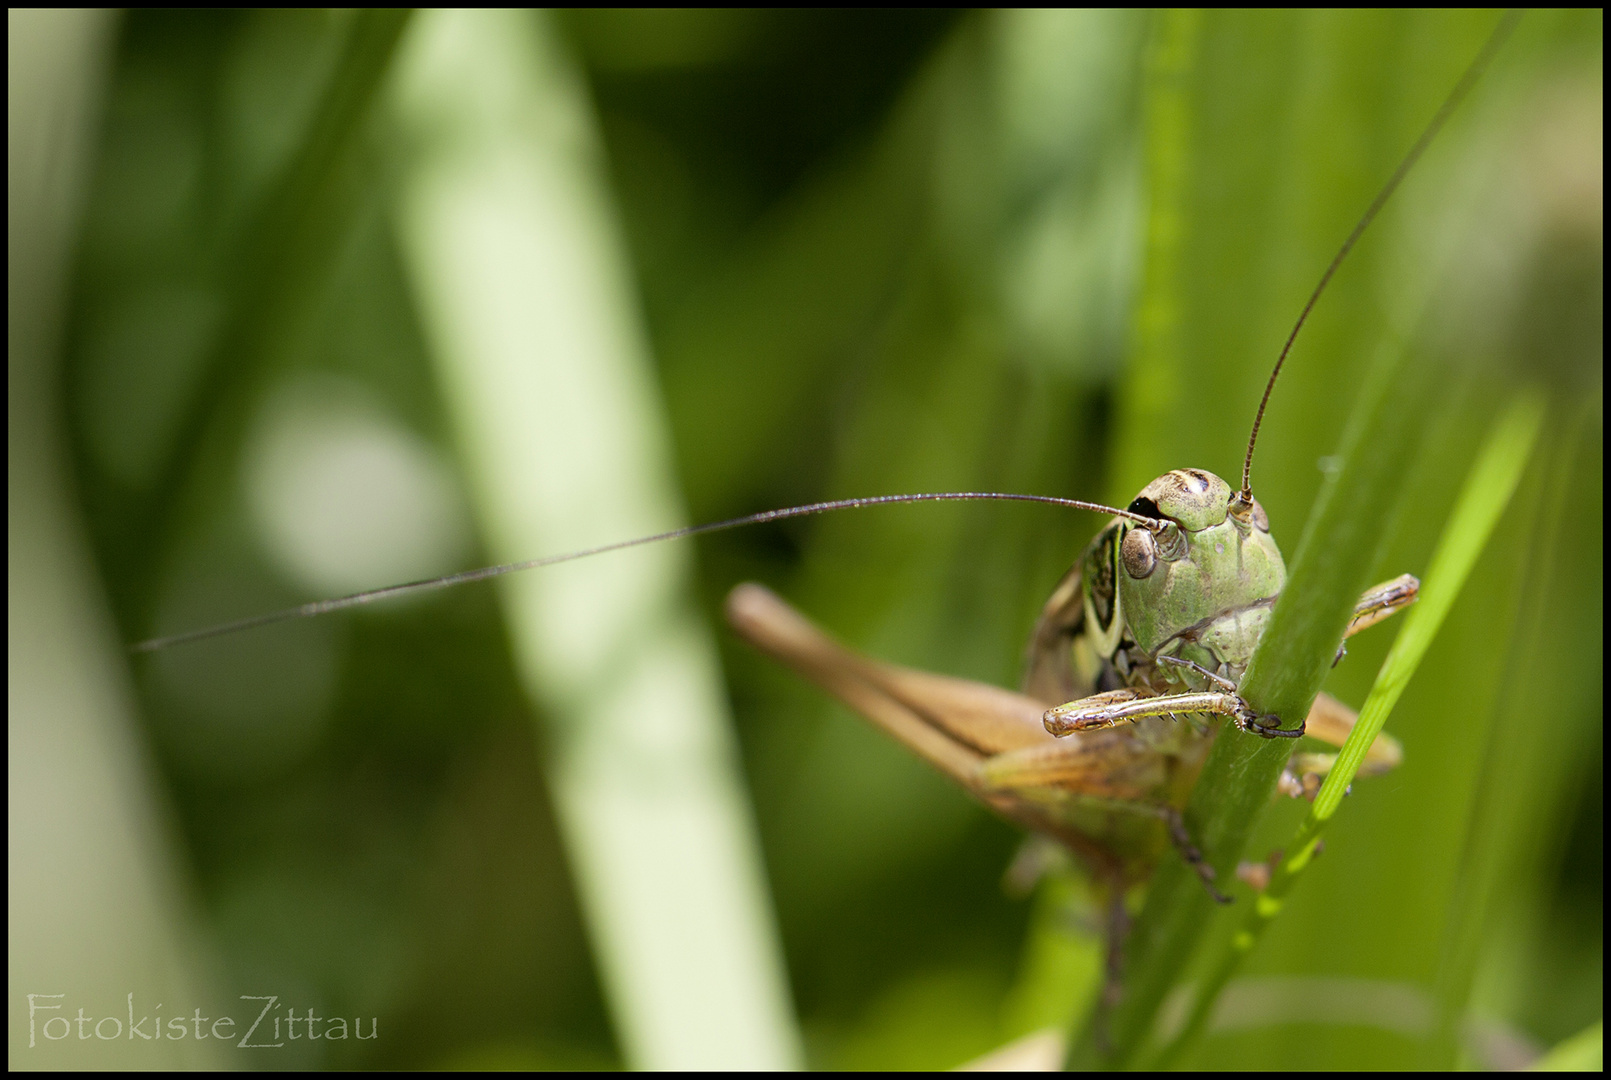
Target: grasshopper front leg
[1127, 706]
[1334, 720]
[1329, 720]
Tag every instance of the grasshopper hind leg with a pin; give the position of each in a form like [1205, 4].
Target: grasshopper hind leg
[1193, 856]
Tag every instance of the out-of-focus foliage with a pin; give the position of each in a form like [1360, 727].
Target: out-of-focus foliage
[876, 252]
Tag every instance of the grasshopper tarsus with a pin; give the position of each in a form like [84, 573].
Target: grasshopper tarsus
[1267, 731]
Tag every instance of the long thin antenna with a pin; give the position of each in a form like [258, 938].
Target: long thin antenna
[321, 607]
[1441, 117]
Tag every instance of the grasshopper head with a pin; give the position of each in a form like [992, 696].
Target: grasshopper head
[1203, 561]
[1194, 499]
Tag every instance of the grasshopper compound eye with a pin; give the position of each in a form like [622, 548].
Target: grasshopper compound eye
[1139, 553]
[1145, 507]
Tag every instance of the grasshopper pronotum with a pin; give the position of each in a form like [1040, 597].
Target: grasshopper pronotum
[1149, 630]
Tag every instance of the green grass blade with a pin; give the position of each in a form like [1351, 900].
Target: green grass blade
[510, 239]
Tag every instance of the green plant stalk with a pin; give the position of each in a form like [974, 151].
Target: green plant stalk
[1340, 547]
[1488, 490]
[511, 244]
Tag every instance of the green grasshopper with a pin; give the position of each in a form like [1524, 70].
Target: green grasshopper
[1154, 623]
[1136, 653]
[1132, 668]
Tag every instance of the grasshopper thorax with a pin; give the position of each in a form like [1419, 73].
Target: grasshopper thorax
[1197, 586]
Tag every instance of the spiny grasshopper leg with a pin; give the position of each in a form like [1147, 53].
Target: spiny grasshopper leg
[1126, 706]
[1190, 853]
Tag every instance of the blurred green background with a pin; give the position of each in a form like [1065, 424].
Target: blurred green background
[869, 252]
